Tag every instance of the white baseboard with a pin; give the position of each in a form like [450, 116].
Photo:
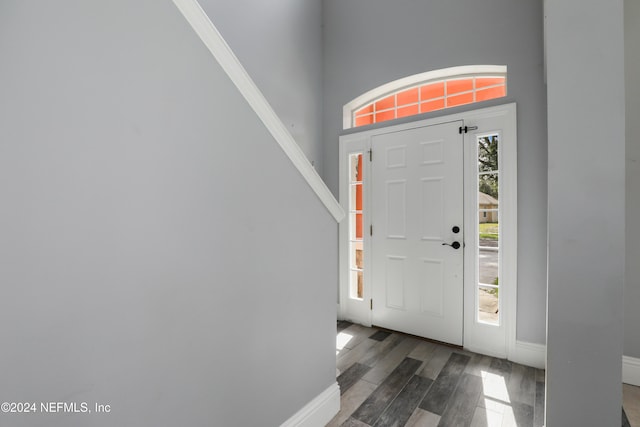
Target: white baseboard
[319, 411]
[529, 354]
[631, 370]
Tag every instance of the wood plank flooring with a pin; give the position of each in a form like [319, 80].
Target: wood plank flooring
[389, 379]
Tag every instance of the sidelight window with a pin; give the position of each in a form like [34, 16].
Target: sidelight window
[355, 227]
[488, 248]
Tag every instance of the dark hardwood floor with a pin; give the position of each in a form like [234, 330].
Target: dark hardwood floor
[390, 379]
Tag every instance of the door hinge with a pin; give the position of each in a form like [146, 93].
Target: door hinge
[371, 304]
[370, 155]
[466, 129]
[371, 230]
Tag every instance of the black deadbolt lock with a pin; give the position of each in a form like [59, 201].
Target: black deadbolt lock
[455, 229]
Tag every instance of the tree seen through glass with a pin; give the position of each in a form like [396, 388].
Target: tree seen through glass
[488, 162]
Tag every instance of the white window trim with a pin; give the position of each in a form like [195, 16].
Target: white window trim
[353, 309]
[465, 71]
[485, 338]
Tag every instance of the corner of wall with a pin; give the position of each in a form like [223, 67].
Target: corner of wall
[530, 354]
[631, 370]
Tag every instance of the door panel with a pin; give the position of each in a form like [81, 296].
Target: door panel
[416, 199]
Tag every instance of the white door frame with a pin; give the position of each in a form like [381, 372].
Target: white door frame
[476, 336]
[355, 310]
[481, 337]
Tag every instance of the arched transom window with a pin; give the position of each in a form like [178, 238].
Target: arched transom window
[426, 92]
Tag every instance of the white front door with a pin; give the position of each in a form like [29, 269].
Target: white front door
[416, 216]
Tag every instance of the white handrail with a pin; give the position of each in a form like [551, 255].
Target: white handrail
[211, 37]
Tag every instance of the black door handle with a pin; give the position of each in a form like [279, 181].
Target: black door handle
[454, 245]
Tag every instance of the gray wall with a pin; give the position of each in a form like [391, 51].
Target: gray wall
[147, 260]
[280, 45]
[586, 245]
[632, 90]
[371, 42]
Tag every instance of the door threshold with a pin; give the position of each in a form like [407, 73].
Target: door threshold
[446, 344]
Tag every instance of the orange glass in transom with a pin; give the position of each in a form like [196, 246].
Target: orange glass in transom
[488, 81]
[385, 115]
[430, 91]
[386, 103]
[364, 120]
[431, 97]
[438, 104]
[491, 93]
[411, 110]
[365, 110]
[466, 98]
[408, 97]
[457, 86]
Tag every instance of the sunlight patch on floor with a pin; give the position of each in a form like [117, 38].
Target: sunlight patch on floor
[494, 387]
[495, 401]
[342, 340]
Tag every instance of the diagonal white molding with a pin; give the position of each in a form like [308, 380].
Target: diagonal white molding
[211, 37]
